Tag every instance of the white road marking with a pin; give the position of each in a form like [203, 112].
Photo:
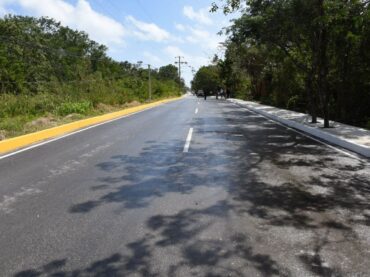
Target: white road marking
[9, 200]
[305, 135]
[70, 134]
[196, 110]
[188, 140]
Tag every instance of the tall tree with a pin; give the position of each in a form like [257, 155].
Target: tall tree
[207, 78]
[168, 72]
[306, 34]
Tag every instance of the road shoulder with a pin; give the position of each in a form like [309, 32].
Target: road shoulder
[349, 137]
[16, 143]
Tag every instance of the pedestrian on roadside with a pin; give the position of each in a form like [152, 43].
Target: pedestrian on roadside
[222, 94]
[228, 93]
[205, 95]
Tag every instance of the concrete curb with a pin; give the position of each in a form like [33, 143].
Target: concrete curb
[357, 148]
[12, 144]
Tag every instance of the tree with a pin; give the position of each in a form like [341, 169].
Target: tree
[207, 78]
[168, 72]
[321, 40]
[40, 56]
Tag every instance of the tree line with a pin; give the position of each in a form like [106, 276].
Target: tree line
[306, 55]
[49, 68]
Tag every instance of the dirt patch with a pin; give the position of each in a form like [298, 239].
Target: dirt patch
[73, 116]
[104, 108]
[132, 104]
[40, 123]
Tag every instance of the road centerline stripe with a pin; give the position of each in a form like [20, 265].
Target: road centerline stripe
[188, 140]
[196, 110]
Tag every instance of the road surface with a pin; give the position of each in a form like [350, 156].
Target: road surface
[189, 188]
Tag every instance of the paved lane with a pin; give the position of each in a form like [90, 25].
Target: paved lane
[249, 198]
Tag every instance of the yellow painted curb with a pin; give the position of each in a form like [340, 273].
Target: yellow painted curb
[26, 140]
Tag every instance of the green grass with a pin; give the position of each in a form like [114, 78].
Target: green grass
[52, 106]
[67, 108]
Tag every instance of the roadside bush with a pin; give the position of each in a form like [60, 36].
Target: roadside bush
[12, 126]
[77, 107]
[36, 83]
[292, 102]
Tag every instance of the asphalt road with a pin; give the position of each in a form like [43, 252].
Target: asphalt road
[248, 198]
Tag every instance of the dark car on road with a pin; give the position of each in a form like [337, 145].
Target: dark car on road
[200, 93]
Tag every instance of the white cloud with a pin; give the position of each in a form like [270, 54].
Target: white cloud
[3, 11]
[148, 31]
[206, 40]
[180, 27]
[200, 17]
[198, 61]
[80, 16]
[177, 39]
[173, 51]
[199, 34]
[202, 36]
[151, 58]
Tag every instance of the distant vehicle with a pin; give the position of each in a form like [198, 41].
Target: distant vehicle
[200, 93]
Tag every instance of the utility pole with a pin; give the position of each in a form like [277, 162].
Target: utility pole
[150, 83]
[179, 62]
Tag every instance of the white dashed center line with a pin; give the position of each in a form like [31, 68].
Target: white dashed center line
[196, 110]
[188, 140]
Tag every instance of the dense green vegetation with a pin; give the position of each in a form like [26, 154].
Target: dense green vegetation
[306, 55]
[207, 78]
[51, 71]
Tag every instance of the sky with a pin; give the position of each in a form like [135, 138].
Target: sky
[151, 31]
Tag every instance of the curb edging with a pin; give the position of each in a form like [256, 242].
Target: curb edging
[357, 148]
[15, 143]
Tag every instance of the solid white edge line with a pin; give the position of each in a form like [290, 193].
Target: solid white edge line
[303, 134]
[72, 133]
[188, 140]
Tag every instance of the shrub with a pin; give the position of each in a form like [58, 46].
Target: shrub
[74, 107]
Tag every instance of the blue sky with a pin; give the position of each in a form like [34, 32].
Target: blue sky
[152, 31]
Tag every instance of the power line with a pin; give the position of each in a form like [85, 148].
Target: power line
[179, 63]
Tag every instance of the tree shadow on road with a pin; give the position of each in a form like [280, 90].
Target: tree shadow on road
[196, 256]
[284, 203]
